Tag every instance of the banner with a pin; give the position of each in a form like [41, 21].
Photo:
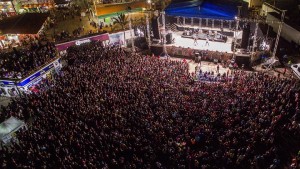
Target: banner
[66, 45]
[128, 35]
[7, 83]
[117, 39]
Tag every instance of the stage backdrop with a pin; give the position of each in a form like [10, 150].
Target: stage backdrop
[214, 9]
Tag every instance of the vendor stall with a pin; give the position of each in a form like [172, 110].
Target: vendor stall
[7, 8]
[14, 87]
[47, 72]
[15, 29]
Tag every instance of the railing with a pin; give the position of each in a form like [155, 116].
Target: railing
[32, 71]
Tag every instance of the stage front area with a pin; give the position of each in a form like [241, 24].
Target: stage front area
[189, 43]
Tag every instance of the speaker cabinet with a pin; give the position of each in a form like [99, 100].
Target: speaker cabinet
[155, 29]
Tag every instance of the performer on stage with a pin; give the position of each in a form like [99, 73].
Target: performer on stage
[207, 43]
[195, 37]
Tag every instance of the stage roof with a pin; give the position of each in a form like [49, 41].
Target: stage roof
[214, 9]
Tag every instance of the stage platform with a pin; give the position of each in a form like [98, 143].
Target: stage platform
[226, 31]
[189, 43]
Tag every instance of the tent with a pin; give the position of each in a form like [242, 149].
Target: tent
[10, 126]
[212, 9]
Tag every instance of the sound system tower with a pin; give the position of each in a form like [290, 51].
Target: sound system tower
[155, 29]
[245, 37]
[169, 38]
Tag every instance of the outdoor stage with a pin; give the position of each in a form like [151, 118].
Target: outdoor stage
[184, 47]
[189, 43]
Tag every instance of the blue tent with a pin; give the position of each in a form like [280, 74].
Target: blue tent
[214, 9]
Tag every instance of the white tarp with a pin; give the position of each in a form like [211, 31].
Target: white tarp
[271, 62]
[8, 127]
[295, 68]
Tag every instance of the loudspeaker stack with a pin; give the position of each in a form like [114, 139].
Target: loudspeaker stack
[155, 28]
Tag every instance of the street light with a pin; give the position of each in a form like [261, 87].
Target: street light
[150, 3]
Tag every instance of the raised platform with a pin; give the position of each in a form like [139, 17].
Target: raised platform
[201, 36]
[189, 53]
[224, 31]
[201, 44]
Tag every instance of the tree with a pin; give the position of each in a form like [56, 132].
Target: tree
[121, 20]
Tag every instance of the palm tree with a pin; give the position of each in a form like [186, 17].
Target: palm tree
[121, 20]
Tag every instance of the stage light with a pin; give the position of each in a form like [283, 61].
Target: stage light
[235, 17]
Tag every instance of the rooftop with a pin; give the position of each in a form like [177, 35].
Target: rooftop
[29, 23]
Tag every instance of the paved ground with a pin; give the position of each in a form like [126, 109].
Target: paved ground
[4, 101]
[205, 66]
[210, 66]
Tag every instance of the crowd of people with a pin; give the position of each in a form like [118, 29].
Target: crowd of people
[114, 109]
[18, 63]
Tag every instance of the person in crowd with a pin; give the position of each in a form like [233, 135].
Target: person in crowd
[195, 37]
[113, 109]
[207, 41]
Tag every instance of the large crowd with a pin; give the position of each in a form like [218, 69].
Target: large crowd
[114, 109]
[18, 63]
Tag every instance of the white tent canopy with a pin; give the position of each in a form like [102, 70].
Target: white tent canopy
[8, 127]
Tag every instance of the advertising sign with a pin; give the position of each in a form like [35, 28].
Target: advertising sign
[117, 39]
[7, 83]
[129, 33]
[66, 45]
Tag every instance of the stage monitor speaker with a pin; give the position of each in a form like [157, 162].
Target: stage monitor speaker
[155, 29]
[156, 50]
[180, 28]
[169, 38]
[241, 59]
[245, 37]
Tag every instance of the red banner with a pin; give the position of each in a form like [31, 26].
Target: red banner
[66, 45]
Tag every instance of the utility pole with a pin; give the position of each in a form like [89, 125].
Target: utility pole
[14, 7]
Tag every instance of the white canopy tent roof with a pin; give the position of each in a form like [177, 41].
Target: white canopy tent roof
[10, 126]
